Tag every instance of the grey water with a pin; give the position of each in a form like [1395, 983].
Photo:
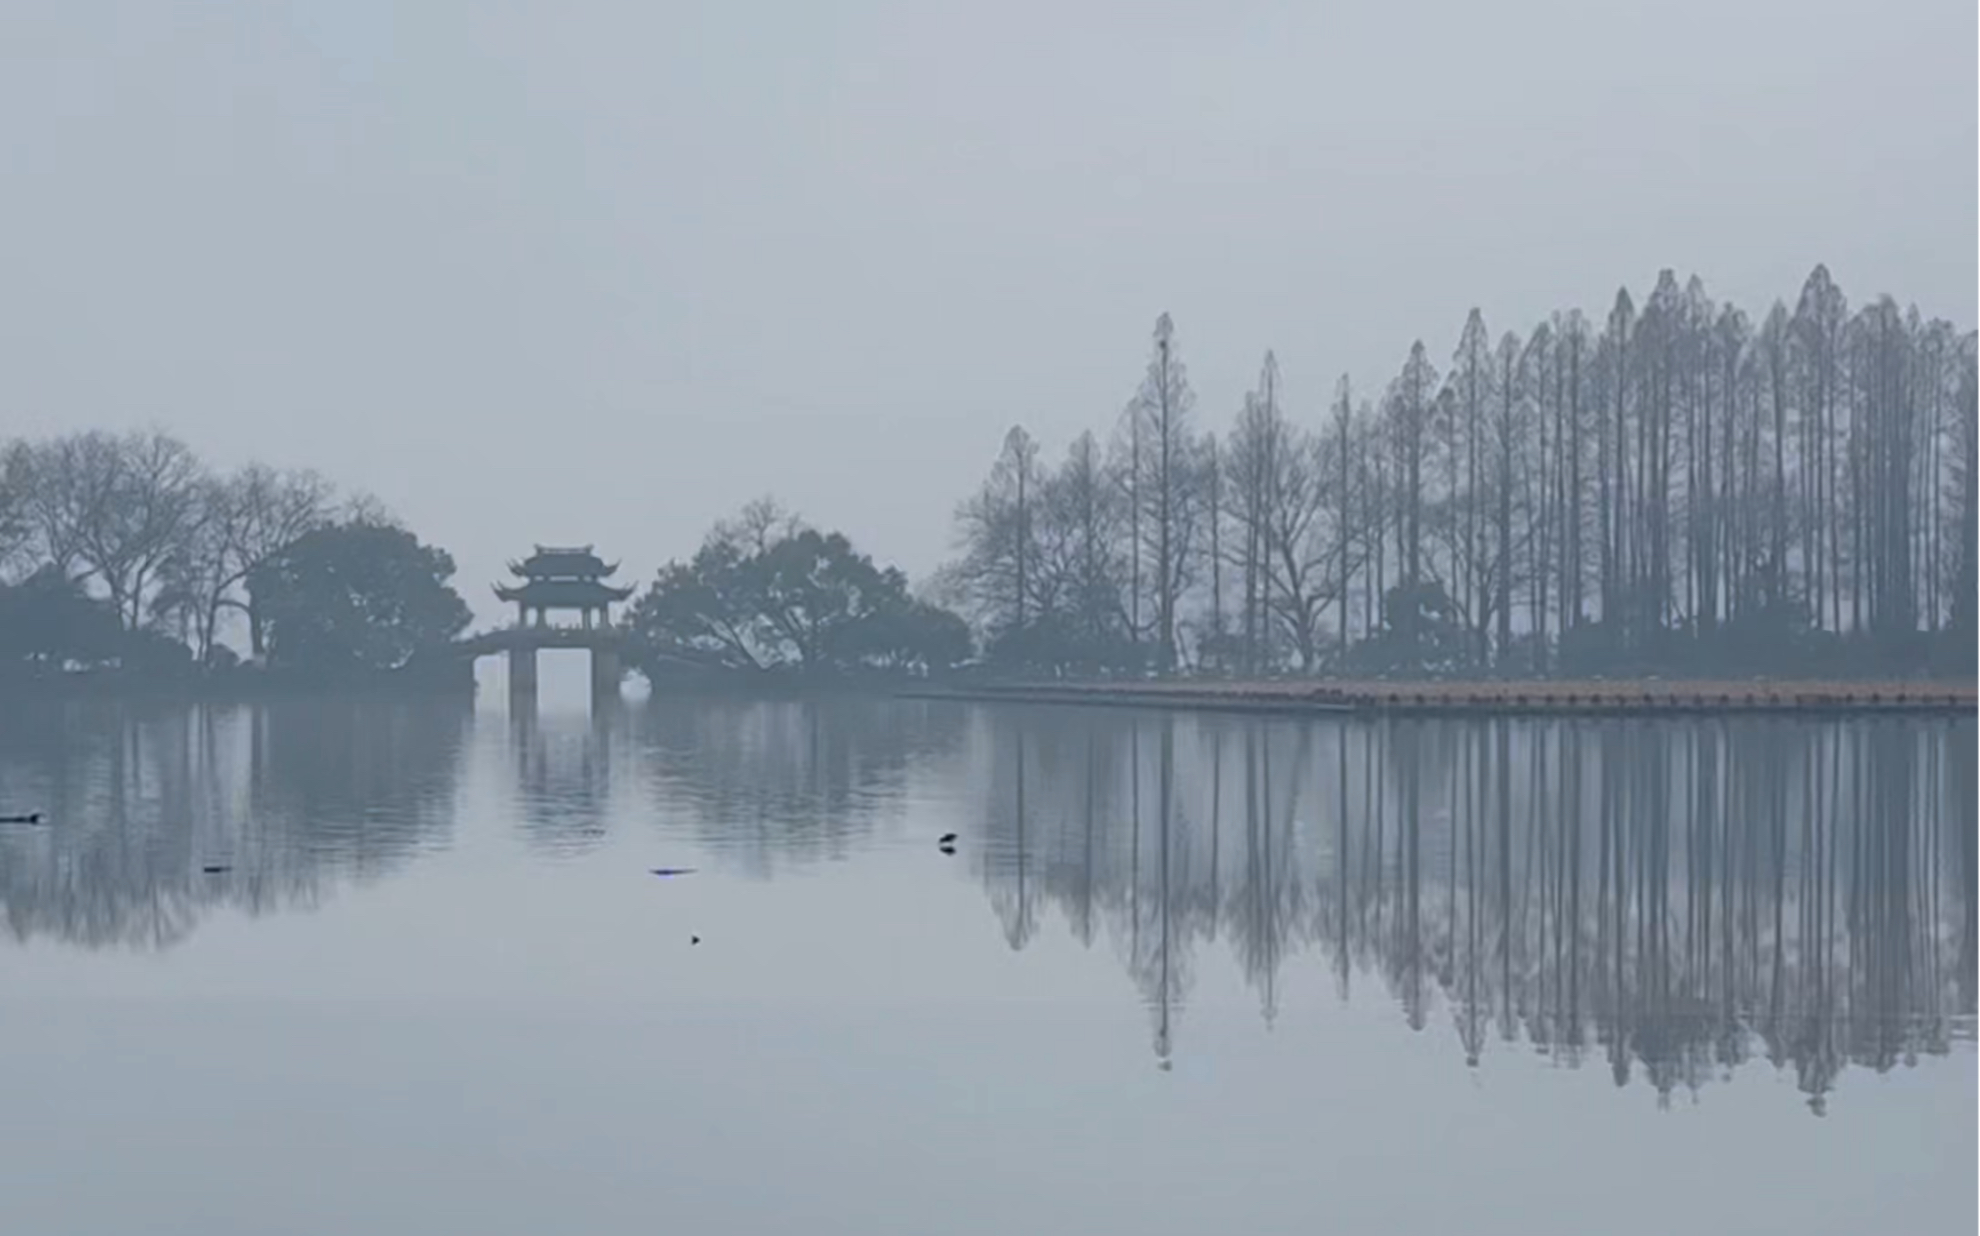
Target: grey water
[1183, 973]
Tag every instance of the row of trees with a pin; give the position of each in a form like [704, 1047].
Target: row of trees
[128, 551]
[1674, 487]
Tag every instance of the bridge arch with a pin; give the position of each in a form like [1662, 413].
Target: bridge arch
[520, 645]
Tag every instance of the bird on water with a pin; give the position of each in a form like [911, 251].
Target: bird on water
[26, 817]
[946, 839]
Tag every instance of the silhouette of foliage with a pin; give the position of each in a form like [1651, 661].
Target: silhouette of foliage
[356, 596]
[48, 623]
[766, 593]
[1674, 489]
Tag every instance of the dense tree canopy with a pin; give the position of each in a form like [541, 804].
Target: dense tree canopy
[48, 623]
[125, 552]
[765, 592]
[356, 596]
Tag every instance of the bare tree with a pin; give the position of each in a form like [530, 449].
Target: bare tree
[1408, 409]
[1249, 461]
[1471, 381]
[1678, 476]
[1278, 473]
[1296, 557]
[1300, 568]
[242, 522]
[1341, 436]
[760, 525]
[1166, 505]
[1775, 347]
[1214, 551]
[1819, 320]
[1507, 443]
[1966, 480]
[113, 509]
[997, 532]
[1570, 333]
[1535, 375]
[1612, 450]
[1083, 509]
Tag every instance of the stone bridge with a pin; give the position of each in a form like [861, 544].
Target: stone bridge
[568, 579]
[521, 644]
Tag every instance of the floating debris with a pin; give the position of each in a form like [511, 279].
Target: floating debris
[216, 869]
[26, 817]
[670, 871]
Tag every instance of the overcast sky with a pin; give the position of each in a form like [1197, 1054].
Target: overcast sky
[604, 271]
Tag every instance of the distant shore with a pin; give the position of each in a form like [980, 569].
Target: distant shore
[232, 687]
[1497, 698]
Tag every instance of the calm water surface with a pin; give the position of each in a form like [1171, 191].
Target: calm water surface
[1182, 974]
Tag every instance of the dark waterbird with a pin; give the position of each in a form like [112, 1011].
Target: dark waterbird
[694, 939]
[25, 817]
[216, 869]
[670, 871]
[946, 839]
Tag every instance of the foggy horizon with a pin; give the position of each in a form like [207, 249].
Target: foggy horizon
[605, 279]
[1365, 618]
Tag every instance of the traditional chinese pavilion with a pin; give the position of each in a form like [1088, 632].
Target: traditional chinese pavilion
[565, 579]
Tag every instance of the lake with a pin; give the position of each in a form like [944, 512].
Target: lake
[1182, 973]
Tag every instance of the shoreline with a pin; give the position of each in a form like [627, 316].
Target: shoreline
[1590, 697]
[1308, 697]
[226, 691]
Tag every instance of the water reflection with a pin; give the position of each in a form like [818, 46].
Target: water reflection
[769, 783]
[564, 779]
[1664, 899]
[1675, 898]
[288, 797]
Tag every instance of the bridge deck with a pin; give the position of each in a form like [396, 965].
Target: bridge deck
[504, 639]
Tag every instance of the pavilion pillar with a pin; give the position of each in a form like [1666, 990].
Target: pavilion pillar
[604, 675]
[522, 679]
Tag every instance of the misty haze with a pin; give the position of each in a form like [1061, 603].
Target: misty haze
[920, 618]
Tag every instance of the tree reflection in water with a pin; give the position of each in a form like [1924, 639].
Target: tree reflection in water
[1676, 897]
[764, 783]
[291, 797]
[1670, 897]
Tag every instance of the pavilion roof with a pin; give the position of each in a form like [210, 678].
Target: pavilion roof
[563, 593]
[555, 562]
